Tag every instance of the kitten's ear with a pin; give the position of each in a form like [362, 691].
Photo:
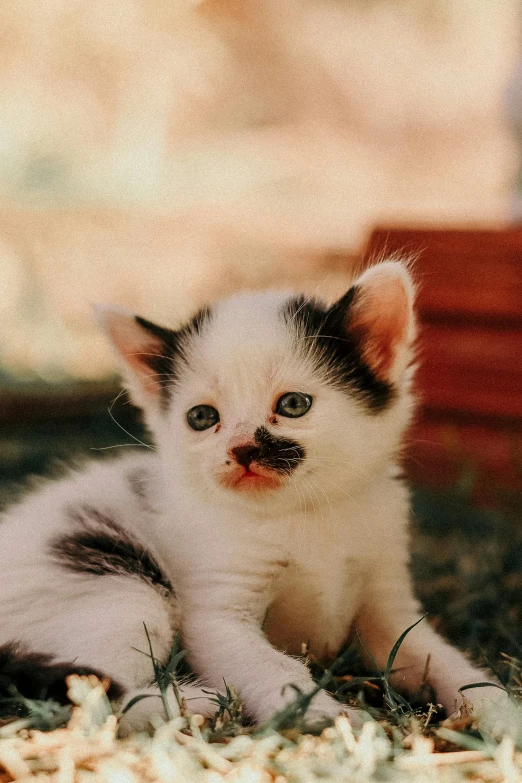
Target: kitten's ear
[145, 352]
[378, 313]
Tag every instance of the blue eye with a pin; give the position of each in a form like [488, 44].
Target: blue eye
[293, 404]
[202, 417]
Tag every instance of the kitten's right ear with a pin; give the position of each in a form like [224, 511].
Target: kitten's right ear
[144, 350]
[377, 312]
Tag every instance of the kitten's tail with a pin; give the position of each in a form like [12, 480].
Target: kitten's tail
[36, 675]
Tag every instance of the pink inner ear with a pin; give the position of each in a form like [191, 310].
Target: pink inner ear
[136, 346]
[137, 360]
[382, 318]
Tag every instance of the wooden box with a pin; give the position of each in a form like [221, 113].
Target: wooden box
[470, 353]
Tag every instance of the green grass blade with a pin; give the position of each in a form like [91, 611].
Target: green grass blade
[138, 698]
[367, 651]
[155, 666]
[356, 681]
[396, 646]
[482, 685]
[158, 676]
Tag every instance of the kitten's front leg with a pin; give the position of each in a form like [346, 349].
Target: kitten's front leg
[225, 645]
[389, 609]
[222, 630]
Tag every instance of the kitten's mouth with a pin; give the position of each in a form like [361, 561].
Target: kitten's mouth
[255, 478]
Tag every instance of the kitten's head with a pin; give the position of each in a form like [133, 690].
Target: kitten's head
[271, 399]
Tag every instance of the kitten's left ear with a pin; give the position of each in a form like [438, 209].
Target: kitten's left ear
[145, 352]
[378, 313]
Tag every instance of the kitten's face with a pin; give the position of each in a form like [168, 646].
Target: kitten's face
[267, 399]
[249, 412]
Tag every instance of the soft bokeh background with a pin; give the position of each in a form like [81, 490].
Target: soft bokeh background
[163, 153]
[160, 153]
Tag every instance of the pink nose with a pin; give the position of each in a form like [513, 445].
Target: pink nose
[245, 453]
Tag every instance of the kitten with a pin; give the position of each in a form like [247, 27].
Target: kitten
[267, 517]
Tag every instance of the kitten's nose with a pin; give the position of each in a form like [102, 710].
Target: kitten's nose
[245, 454]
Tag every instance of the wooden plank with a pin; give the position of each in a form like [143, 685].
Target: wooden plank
[440, 451]
[473, 273]
[471, 370]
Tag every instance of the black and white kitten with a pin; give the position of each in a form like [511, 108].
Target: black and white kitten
[267, 517]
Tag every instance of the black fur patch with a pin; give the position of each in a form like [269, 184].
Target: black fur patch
[39, 676]
[163, 361]
[324, 335]
[280, 454]
[101, 547]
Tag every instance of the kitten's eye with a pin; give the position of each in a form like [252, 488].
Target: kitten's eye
[293, 404]
[201, 417]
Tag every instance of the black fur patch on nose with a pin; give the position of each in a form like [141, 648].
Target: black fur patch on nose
[280, 454]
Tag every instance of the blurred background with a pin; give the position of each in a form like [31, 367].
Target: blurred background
[163, 153]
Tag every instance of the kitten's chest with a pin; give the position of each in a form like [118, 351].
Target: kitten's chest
[315, 601]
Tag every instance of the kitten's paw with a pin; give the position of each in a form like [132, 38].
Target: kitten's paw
[490, 708]
[498, 715]
[487, 705]
[140, 715]
[325, 708]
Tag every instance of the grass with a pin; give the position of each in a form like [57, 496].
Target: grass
[467, 571]
[397, 742]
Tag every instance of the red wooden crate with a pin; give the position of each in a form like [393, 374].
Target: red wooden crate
[470, 351]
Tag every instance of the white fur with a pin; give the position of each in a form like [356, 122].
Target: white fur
[256, 574]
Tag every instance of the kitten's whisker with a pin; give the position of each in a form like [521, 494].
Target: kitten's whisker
[111, 406]
[348, 495]
[315, 336]
[155, 355]
[312, 487]
[331, 517]
[306, 300]
[117, 446]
